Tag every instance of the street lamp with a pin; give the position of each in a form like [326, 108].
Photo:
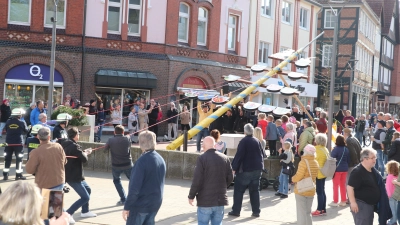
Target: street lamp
[333, 71]
[52, 60]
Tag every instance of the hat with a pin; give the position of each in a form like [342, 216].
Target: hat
[63, 117]
[5, 100]
[91, 101]
[87, 104]
[36, 128]
[289, 140]
[309, 149]
[17, 112]
[382, 122]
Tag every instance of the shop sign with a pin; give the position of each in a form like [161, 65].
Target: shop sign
[194, 82]
[299, 87]
[33, 72]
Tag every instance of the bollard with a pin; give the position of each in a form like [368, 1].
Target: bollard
[185, 140]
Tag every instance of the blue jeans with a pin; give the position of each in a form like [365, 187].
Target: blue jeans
[57, 188]
[385, 158]
[242, 181]
[393, 207]
[283, 183]
[117, 181]
[2, 125]
[100, 131]
[138, 218]
[206, 214]
[359, 136]
[379, 162]
[83, 190]
[200, 135]
[321, 196]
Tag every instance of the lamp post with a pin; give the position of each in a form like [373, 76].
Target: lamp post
[332, 83]
[52, 60]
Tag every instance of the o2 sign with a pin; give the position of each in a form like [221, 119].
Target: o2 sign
[35, 71]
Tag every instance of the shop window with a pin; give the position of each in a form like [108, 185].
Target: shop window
[183, 25]
[268, 98]
[42, 93]
[19, 12]
[232, 32]
[22, 95]
[126, 98]
[134, 17]
[202, 27]
[49, 13]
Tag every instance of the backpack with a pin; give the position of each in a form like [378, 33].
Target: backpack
[329, 168]
[220, 146]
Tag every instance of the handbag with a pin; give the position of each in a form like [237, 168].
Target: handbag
[134, 123]
[329, 168]
[288, 169]
[306, 184]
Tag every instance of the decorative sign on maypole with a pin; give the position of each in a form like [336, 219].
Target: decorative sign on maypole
[287, 58]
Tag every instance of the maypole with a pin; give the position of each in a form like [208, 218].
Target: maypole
[207, 121]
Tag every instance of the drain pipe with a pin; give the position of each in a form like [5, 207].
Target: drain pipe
[83, 50]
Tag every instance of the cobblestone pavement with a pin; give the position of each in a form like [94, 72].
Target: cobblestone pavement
[176, 209]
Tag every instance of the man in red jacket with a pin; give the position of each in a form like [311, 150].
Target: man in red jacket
[322, 124]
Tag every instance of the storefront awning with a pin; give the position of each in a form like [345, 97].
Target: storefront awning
[125, 79]
[235, 87]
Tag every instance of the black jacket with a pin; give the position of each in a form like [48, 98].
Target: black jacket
[228, 122]
[171, 114]
[59, 133]
[298, 116]
[5, 113]
[249, 156]
[239, 124]
[212, 176]
[74, 166]
[394, 153]
[360, 125]
[93, 111]
[15, 128]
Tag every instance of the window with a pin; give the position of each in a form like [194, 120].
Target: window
[263, 52]
[304, 18]
[134, 17]
[202, 27]
[266, 8]
[19, 12]
[327, 56]
[281, 50]
[286, 10]
[330, 18]
[232, 32]
[49, 13]
[114, 16]
[183, 26]
[301, 56]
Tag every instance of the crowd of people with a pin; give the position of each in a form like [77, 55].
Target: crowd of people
[358, 176]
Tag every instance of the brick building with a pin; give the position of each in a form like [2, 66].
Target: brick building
[357, 56]
[121, 49]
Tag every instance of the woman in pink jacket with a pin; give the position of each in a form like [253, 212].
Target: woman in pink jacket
[291, 134]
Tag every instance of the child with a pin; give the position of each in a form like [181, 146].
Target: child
[281, 133]
[392, 169]
[286, 159]
[262, 123]
[272, 135]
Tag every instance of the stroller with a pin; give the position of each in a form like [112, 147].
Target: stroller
[264, 182]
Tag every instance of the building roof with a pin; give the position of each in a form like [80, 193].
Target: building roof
[314, 2]
[388, 9]
[376, 6]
